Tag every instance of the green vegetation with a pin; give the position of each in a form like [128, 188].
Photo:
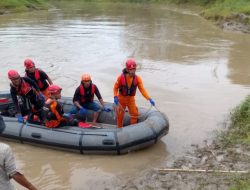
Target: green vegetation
[239, 128]
[238, 133]
[220, 9]
[212, 9]
[241, 182]
[22, 5]
[227, 9]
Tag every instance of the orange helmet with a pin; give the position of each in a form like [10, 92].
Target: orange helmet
[54, 89]
[130, 64]
[13, 74]
[86, 77]
[28, 63]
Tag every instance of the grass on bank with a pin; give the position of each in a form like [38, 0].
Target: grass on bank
[220, 9]
[22, 5]
[227, 9]
[239, 128]
[241, 182]
[212, 9]
[239, 133]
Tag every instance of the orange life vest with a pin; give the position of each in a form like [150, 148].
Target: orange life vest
[123, 86]
[83, 95]
[53, 113]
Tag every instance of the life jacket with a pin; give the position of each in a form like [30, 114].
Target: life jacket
[53, 112]
[123, 86]
[24, 88]
[83, 94]
[38, 79]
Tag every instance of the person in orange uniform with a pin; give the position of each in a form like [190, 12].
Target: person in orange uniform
[125, 90]
[53, 110]
[40, 77]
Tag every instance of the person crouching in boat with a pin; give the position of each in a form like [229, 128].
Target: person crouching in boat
[125, 90]
[53, 110]
[39, 76]
[84, 98]
[26, 96]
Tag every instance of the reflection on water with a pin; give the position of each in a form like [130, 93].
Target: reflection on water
[195, 73]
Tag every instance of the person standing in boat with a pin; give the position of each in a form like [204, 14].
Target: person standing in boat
[26, 96]
[39, 76]
[9, 171]
[84, 98]
[53, 110]
[125, 90]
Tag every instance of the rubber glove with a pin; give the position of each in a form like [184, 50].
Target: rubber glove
[20, 118]
[116, 101]
[83, 110]
[106, 109]
[152, 102]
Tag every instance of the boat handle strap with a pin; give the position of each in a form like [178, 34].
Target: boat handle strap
[36, 135]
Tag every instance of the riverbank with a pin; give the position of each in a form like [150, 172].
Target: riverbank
[212, 167]
[8, 6]
[229, 15]
[223, 164]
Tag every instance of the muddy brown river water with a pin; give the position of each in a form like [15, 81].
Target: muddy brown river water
[194, 71]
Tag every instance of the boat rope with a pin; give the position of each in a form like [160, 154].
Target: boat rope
[157, 108]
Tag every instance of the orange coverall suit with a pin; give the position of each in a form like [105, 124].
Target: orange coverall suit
[128, 101]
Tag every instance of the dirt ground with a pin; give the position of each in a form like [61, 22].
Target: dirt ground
[239, 23]
[210, 157]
